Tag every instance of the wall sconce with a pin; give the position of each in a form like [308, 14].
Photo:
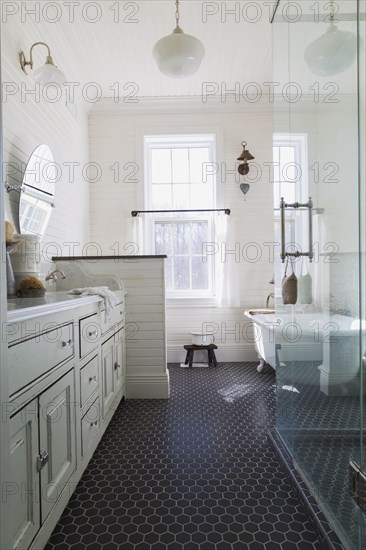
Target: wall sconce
[47, 73]
[243, 168]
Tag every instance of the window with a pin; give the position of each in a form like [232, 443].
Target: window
[179, 176]
[290, 180]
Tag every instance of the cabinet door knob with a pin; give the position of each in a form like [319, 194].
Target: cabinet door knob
[93, 379]
[69, 343]
[92, 424]
[116, 366]
[42, 460]
[93, 333]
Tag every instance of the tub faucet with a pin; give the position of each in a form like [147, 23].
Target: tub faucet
[53, 275]
[272, 295]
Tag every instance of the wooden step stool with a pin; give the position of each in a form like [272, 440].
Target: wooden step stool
[191, 348]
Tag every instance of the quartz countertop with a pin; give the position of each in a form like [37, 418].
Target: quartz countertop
[21, 309]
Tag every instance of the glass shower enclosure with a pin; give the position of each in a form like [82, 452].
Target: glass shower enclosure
[320, 208]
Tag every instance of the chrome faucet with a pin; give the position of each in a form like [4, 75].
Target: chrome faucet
[272, 295]
[53, 275]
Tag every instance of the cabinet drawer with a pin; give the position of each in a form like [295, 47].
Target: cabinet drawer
[116, 316]
[90, 332]
[89, 380]
[32, 358]
[90, 426]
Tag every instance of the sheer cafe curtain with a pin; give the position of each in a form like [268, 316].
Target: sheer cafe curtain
[227, 271]
[135, 236]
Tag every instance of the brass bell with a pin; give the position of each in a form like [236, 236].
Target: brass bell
[243, 168]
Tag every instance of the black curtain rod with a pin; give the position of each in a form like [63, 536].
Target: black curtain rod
[134, 213]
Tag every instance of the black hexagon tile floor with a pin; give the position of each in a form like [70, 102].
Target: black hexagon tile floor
[192, 472]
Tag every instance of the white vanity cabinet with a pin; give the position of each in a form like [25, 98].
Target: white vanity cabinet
[113, 368]
[43, 457]
[57, 444]
[22, 491]
[67, 376]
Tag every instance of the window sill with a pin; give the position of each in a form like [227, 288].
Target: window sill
[210, 302]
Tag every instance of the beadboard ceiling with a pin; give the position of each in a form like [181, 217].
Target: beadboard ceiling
[107, 52]
[116, 51]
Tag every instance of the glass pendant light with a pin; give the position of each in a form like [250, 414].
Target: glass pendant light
[333, 52]
[178, 55]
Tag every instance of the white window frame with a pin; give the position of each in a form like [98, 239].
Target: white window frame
[186, 298]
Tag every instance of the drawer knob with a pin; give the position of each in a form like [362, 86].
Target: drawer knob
[92, 424]
[42, 460]
[69, 343]
[116, 366]
[93, 333]
[93, 379]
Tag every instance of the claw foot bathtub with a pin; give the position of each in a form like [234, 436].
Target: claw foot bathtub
[329, 339]
[263, 339]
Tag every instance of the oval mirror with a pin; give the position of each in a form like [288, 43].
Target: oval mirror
[38, 192]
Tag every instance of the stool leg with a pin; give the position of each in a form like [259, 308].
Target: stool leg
[191, 358]
[187, 358]
[209, 354]
[214, 358]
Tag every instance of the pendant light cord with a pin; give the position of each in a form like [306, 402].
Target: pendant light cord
[332, 12]
[177, 12]
[177, 17]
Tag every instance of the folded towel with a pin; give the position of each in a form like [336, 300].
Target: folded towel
[110, 300]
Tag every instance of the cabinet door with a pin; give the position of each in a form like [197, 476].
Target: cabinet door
[119, 362]
[57, 438]
[108, 362]
[22, 493]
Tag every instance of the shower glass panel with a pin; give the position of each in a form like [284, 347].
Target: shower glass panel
[319, 113]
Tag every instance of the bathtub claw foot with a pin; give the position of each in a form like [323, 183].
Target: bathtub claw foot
[261, 365]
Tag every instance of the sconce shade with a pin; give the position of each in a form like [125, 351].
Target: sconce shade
[332, 53]
[49, 73]
[245, 155]
[179, 55]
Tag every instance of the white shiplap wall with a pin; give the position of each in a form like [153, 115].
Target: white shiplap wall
[144, 282]
[29, 122]
[115, 137]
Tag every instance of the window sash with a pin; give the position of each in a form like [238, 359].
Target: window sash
[190, 143]
[173, 256]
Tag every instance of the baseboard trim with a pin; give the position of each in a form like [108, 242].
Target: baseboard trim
[225, 353]
[148, 386]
